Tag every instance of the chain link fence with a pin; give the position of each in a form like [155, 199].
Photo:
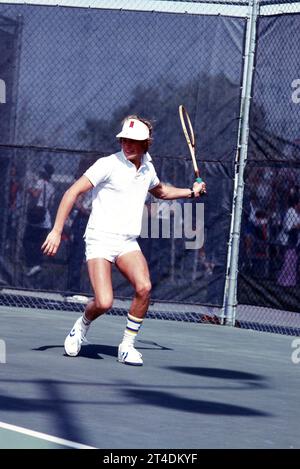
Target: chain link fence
[77, 72]
[71, 71]
[269, 268]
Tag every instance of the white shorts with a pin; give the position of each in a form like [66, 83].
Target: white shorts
[108, 246]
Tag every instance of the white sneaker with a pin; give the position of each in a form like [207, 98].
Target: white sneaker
[34, 270]
[129, 355]
[75, 338]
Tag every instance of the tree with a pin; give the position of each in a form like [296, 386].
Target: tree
[213, 103]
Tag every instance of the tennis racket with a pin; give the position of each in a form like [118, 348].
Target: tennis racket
[190, 138]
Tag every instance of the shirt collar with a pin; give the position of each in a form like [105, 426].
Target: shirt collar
[146, 158]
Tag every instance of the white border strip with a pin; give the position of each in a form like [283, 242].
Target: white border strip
[147, 5]
[44, 436]
[221, 8]
[279, 9]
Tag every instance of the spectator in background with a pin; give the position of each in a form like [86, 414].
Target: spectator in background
[15, 187]
[40, 196]
[256, 238]
[81, 213]
[289, 238]
[79, 216]
[264, 188]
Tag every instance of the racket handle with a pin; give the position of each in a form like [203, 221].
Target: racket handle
[199, 179]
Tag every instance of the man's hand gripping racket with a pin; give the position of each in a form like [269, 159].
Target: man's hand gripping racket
[199, 187]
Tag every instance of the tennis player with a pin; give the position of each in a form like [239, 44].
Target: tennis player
[120, 183]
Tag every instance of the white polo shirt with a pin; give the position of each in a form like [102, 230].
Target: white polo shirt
[119, 193]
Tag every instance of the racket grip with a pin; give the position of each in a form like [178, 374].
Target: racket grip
[199, 179]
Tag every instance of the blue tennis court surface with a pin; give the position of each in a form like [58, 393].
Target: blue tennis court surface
[201, 386]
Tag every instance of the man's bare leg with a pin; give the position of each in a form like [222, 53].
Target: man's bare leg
[133, 266]
[100, 277]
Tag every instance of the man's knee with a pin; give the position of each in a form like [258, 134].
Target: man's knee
[104, 303]
[144, 288]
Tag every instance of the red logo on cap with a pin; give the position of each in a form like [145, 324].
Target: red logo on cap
[131, 124]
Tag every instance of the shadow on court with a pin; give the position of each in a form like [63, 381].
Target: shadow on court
[170, 401]
[217, 373]
[51, 405]
[95, 351]
[88, 351]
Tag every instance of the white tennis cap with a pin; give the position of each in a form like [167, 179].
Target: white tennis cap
[134, 130]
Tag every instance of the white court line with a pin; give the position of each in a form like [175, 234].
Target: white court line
[44, 436]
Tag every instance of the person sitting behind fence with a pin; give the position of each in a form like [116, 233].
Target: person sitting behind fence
[38, 220]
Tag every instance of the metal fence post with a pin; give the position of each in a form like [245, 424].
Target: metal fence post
[229, 306]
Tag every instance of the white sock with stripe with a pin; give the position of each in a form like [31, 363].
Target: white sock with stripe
[132, 328]
[85, 321]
